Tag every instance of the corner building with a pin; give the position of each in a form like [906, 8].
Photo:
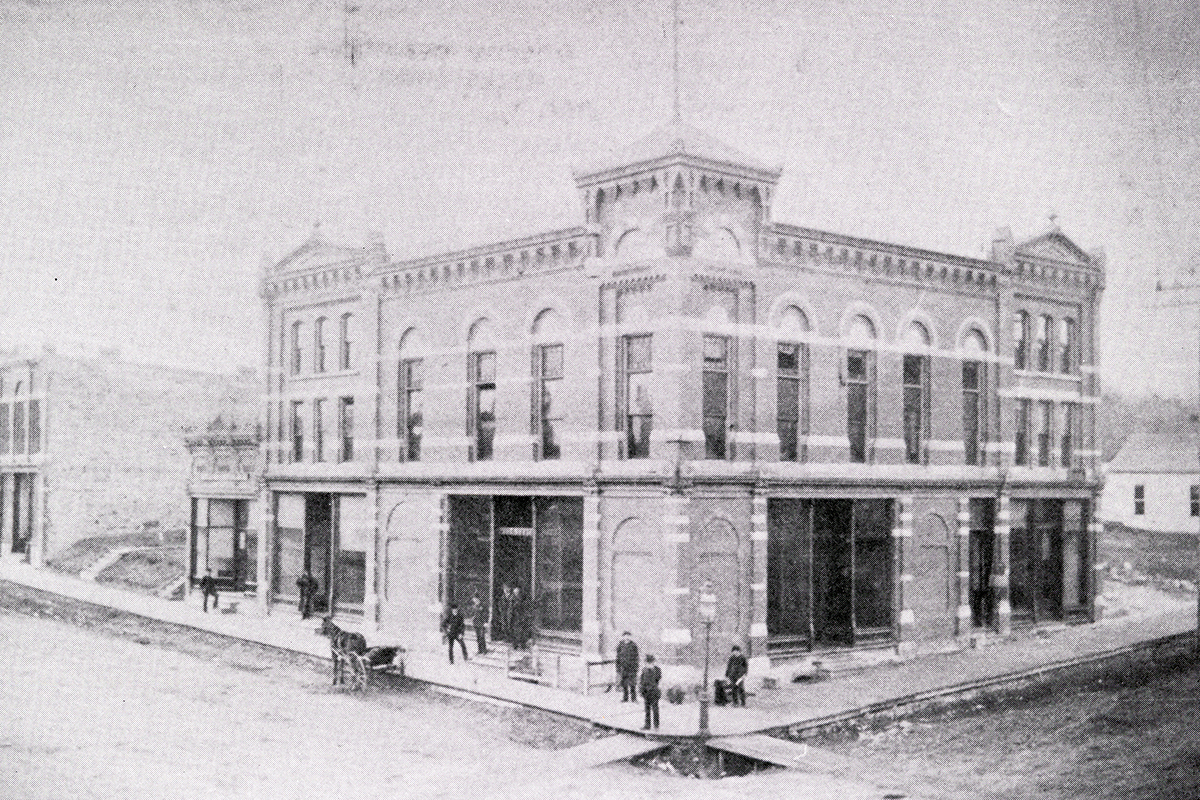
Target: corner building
[858, 444]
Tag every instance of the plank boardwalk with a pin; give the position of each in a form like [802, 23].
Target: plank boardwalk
[782, 753]
[618, 747]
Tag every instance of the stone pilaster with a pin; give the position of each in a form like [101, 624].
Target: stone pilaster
[677, 625]
[962, 617]
[370, 520]
[1000, 572]
[902, 537]
[592, 643]
[7, 487]
[758, 579]
[266, 546]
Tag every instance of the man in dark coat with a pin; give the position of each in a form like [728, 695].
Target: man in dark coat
[520, 623]
[307, 585]
[479, 620]
[502, 629]
[208, 586]
[627, 667]
[735, 673]
[648, 683]
[453, 626]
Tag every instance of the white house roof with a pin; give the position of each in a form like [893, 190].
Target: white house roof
[1157, 452]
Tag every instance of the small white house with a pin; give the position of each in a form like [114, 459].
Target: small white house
[1153, 483]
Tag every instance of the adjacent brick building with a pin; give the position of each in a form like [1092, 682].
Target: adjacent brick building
[857, 443]
[92, 445]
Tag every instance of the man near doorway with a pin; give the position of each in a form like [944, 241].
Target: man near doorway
[453, 626]
[627, 667]
[479, 619]
[307, 585]
[735, 673]
[505, 632]
[520, 623]
[648, 684]
[208, 587]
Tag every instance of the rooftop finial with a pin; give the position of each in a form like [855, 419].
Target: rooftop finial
[675, 66]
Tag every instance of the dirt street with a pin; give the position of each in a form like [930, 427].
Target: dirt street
[95, 704]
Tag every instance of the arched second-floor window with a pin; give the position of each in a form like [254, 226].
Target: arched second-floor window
[346, 344]
[1021, 340]
[297, 347]
[319, 345]
[974, 389]
[791, 385]
[915, 376]
[547, 402]
[410, 417]
[860, 386]
[481, 390]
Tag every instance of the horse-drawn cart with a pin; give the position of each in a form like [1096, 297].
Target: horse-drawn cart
[350, 654]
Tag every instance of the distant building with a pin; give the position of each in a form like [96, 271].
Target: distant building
[92, 444]
[226, 477]
[1153, 483]
[850, 442]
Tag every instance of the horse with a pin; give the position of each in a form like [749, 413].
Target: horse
[341, 645]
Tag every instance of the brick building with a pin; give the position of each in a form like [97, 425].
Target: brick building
[859, 444]
[91, 445]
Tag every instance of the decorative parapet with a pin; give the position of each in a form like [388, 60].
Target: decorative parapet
[548, 252]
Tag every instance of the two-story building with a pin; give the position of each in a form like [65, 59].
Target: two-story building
[856, 443]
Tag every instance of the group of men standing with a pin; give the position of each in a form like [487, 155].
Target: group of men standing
[731, 689]
[512, 623]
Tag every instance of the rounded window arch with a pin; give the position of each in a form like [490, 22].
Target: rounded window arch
[916, 336]
[548, 326]
[860, 330]
[412, 343]
[792, 320]
[974, 343]
[717, 315]
[481, 334]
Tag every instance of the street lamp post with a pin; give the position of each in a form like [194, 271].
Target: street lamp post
[708, 614]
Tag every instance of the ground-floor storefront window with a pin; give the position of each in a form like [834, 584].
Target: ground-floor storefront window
[223, 542]
[829, 572]
[18, 490]
[326, 536]
[1048, 559]
[533, 545]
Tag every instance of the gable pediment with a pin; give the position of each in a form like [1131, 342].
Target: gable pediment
[315, 253]
[1053, 246]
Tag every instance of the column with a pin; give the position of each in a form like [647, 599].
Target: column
[1000, 571]
[592, 643]
[962, 618]
[758, 582]
[37, 523]
[266, 546]
[676, 527]
[370, 520]
[7, 482]
[1096, 573]
[902, 535]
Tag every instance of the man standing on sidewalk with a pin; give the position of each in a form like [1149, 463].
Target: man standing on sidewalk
[479, 620]
[453, 626]
[735, 673]
[208, 587]
[651, 675]
[627, 667]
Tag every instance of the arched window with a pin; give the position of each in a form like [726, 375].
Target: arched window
[548, 404]
[916, 392]
[410, 418]
[860, 386]
[346, 349]
[974, 388]
[1066, 346]
[1045, 326]
[481, 392]
[319, 345]
[1021, 340]
[297, 346]
[791, 385]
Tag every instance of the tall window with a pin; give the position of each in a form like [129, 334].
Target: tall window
[1044, 326]
[410, 409]
[791, 373]
[344, 350]
[483, 404]
[716, 395]
[19, 425]
[973, 383]
[1195, 500]
[346, 427]
[860, 369]
[1066, 345]
[319, 429]
[638, 405]
[5, 429]
[549, 402]
[319, 345]
[1066, 431]
[1139, 499]
[1021, 433]
[297, 431]
[297, 347]
[915, 369]
[1021, 340]
[1044, 440]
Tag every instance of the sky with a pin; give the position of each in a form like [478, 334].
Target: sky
[154, 154]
